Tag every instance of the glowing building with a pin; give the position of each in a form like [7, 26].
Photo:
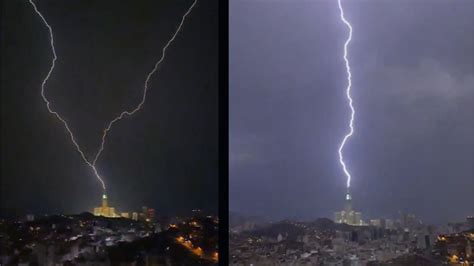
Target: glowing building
[135, 216]
[105, 210]
[150, 216]
[143, 214]
[348, 215]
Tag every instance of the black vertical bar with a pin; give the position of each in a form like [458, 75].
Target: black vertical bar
[223, 132]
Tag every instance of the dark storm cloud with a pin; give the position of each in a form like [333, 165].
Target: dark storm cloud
[413, 90]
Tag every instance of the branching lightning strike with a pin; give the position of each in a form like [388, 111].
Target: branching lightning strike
[145, 87]
[92, 164]
[348, 94]
[48, 103]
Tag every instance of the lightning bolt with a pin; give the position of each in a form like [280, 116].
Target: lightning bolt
[145, 87]
[349, 98]
[48, 103]
[92, 164]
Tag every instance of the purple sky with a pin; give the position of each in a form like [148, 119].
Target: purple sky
[413, 90]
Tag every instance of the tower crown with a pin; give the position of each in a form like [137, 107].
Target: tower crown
[348, 204]
[104, 201]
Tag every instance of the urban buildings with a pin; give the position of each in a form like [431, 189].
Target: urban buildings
[348, 215]
[86, 239]
[105, 210]
[402, 241]
[147, 214]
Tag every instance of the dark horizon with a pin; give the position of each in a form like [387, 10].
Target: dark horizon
[165, 156]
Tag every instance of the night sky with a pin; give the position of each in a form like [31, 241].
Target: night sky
[164, 157]
[413, 90]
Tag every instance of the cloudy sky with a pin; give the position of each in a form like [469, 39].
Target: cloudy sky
[413, 90]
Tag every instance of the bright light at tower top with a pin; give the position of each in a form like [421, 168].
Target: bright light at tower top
[348, 94]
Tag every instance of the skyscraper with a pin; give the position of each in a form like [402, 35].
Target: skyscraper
[104, 201]
[348, 215]
[150, 217]
[105, 210]
[470, 222]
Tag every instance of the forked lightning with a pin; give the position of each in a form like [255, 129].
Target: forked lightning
[92, 164]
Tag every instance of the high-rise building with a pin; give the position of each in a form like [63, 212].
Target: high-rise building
[104, 201]
[408, 220]
[105, 210]
[135, 216]
[470, 222]
[150, 217]
[144, 213]
[375, 222]
[30, 217]
[348, 215]
[427, 241]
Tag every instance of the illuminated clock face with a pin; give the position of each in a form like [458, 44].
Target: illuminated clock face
[348, 196]
[104, 196]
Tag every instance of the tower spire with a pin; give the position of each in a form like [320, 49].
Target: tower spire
[348, 204]
[104, 200]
